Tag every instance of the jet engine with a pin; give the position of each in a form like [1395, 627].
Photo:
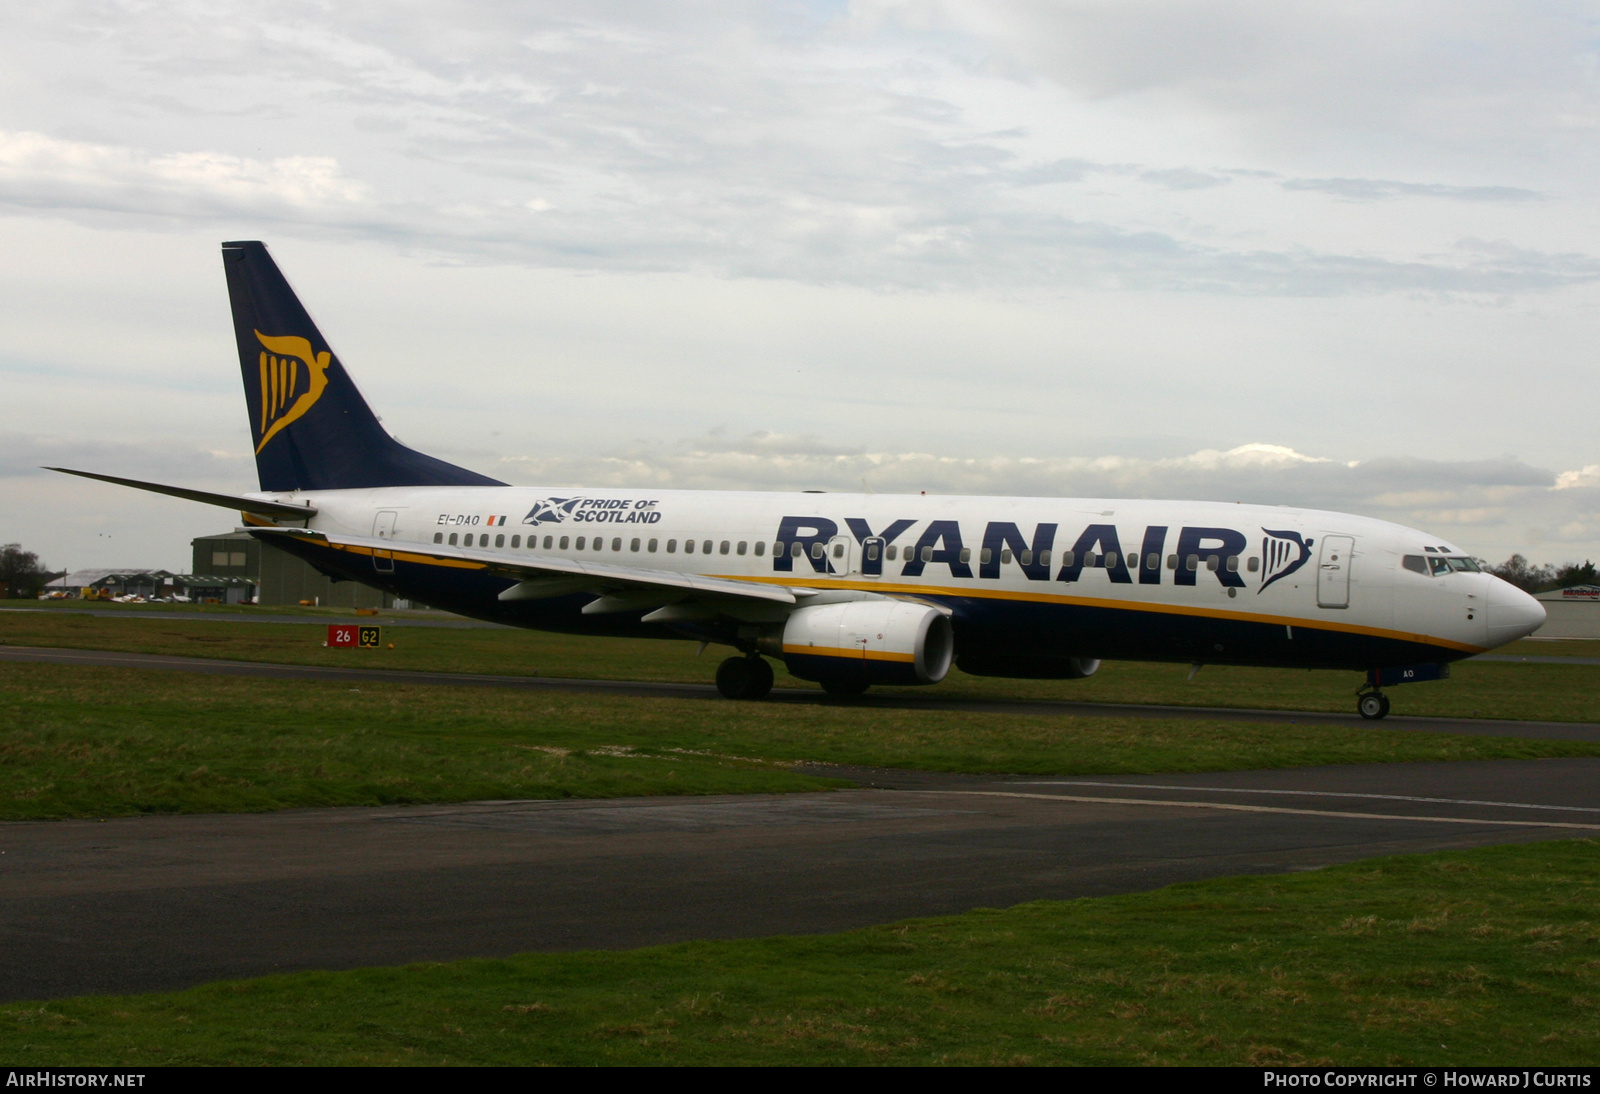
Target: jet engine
[864, 642]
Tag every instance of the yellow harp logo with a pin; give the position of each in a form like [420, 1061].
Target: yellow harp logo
[289, 371]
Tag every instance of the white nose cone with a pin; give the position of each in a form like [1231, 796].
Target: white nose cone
[1513, 614]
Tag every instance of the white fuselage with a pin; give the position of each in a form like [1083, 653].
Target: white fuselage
[1165, 580]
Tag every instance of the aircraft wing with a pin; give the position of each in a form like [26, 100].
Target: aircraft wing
[620, 588]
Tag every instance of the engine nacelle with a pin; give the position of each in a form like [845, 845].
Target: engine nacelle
[1030, 668]
[867, 641]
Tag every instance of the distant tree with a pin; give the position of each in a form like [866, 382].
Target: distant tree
[1573, 574]
[21, 572]
[1518, 572]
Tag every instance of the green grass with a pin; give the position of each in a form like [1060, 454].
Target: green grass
[1476, 689]
[86, 742]
[1487, 957]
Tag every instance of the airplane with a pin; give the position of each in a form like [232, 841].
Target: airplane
[847, 590]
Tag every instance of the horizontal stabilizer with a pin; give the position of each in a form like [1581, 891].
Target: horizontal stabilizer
[274, 509]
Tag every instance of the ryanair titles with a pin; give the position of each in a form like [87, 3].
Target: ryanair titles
[1042, 554]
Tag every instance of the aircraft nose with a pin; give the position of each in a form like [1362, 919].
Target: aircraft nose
[1513, 614]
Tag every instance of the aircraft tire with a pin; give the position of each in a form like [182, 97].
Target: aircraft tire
[760, 679]
[744, 678]
[1372, 706]
[845, 688]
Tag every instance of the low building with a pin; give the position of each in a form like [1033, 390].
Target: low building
[1572, 613]
[281, 578]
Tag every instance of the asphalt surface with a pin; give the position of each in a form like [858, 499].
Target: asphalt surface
[150, 903]
[930, 700]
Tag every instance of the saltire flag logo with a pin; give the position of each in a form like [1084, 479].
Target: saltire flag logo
[289, 371]
[551, 511]
[1282, 553]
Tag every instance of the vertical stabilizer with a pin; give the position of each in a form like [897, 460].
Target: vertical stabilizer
[312, 430]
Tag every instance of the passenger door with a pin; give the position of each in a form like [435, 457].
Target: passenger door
[839, 552]
[1333, 572]
[383, 528]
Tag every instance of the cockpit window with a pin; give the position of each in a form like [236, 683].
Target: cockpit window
[1462, 564]
[1416, 564]
[1439, 565]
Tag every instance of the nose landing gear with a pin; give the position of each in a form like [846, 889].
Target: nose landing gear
[1372, 705]
[744, 678]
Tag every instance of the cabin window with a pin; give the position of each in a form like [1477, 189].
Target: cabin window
[1254, 564]
[818, 549]
[633, 545]
[1069, 558]
[777, 549]
[563, 542]
[705, 547]
[724, 548]
[1026, 558]
[516, 541]
[761, 548]
[578, 543]
[1109, 560]
[838, 550]
[452, 539]
[616, 544]
[1212, 562]
[1153, 562]
[652, 546]
[1233, 564]
[1192, 562]
[797, 549]
[743, 547]
[872, 552]
[986, 556]
[672, 546]
[500, 541]
[891, 552]
[1415, 563]
[688, 546]
[1044, 558]
[1005, 555]
[547, 542]
[466, 541]
[1172, 562]
[438, 537]
[966, 554]
[927, 554]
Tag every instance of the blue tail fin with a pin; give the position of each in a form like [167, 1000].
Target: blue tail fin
[312, 429]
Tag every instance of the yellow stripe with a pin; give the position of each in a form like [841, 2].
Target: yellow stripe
[850, 652]
[1116, 605]
[263, 391]
[405, 556]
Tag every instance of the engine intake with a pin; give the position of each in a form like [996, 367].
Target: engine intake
[866, 641]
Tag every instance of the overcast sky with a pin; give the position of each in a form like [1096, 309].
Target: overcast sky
[1342, 256]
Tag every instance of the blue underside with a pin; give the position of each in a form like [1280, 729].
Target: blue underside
[992, 637]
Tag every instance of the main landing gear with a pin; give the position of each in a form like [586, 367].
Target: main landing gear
[744, 678]
[1372, 705]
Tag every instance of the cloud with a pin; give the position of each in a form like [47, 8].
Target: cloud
[878, 145]
[38, 170]
[1583, 477]
[1381, 189]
